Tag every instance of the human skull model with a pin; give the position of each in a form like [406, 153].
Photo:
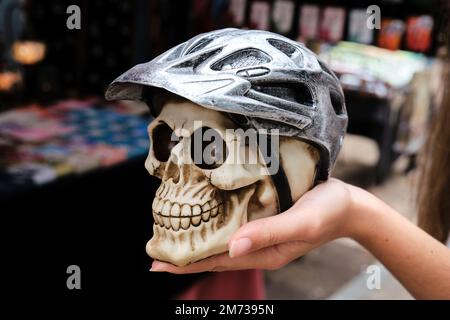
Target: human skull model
[196, 210]
[232, 79]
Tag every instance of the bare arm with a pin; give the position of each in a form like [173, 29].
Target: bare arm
[418, 261]
[330, 211]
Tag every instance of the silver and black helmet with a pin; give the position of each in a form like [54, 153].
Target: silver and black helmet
[261, 79]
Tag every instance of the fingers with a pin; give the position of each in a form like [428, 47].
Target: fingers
[265, 232]
[217, 263]
[270, 258]
[312, 218]
[201, 266]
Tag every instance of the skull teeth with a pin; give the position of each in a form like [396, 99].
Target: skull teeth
[206, 208]
[175, 216]
[166, 221]
[175, 224]
[175, 212]
[166, 209]
[186, 210]
[196, 220]
[159, 220]
[185, 223]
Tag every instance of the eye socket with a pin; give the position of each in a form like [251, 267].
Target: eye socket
[163, 140]
[208, 149]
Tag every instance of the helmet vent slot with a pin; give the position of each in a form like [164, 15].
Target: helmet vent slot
[200, 44]
[194, 62]
[288, 49]
[283, 46]
[174, 53]
[293, 92]
[242, 59]
[337, 102]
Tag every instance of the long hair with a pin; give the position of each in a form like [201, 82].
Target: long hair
[434, 182]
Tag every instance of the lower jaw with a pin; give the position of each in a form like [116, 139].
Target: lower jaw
[185, 257]
[183, 247]
[187, 246]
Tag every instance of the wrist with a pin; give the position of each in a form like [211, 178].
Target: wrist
[363, 213]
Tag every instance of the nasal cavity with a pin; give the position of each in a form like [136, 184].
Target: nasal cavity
[172, 171]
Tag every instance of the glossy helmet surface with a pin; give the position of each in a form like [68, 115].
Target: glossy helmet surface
[261, 79]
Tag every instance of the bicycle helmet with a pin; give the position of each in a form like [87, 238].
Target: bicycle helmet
[261, 79]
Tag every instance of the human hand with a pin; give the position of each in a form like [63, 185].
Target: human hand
[319, 216]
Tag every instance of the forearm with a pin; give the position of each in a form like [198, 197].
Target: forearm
[417, 260]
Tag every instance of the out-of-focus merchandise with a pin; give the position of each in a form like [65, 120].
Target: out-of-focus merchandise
[315, 24]
[331, 21]
[418, 33]
[260, 15]
[28, 52]
[357, 29]
[332, 24]
[391, 33]
[283, 15]
[95, 45]
[390, 95]
[41, 144]
[237, 11]
[370, 69]
[9, 79]
[309, 22]
[219, 9]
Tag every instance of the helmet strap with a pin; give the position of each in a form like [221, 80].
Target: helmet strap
[281, 184]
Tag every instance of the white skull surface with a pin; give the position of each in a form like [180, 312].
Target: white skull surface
[197, 209]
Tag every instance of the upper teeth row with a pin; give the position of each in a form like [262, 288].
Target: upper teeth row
[167, 208]
[169, 214]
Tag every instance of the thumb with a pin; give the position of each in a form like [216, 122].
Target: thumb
[265, 232]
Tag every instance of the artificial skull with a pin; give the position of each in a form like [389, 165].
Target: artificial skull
[197, 208]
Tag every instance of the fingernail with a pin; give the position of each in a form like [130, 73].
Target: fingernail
[156, 267]
[240, 247]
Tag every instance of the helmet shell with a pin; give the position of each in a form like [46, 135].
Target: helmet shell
[269, 80]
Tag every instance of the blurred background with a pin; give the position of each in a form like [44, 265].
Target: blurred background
[73, 188]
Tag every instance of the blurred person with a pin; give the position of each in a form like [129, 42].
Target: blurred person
[419, 260]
